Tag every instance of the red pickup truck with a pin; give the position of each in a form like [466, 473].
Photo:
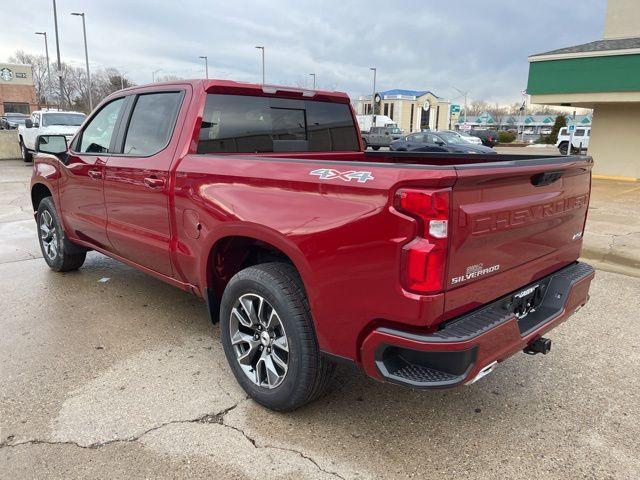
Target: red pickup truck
[422, 269]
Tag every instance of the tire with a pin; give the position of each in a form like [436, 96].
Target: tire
[376, 148]
[52, 240]
[365, 143]
[307, 373]
[26, 154]
[563, 147]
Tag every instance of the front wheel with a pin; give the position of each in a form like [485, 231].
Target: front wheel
[376, 148]
[269, 338]
[52, 240]
[563, 147]
[25, 153]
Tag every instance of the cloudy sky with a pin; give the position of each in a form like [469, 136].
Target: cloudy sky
[479, 46]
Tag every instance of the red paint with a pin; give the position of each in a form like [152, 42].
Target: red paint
[166, 213]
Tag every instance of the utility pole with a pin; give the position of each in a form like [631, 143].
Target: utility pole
[464, 94]
[153, 75]
[206, 65]
[122, 80]
[314, 80]
[47, 90]
[55, 23]
[373, 96]
[262, 49]
[86, 57]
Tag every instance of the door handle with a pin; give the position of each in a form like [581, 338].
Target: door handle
[153, 182]
[95, 174]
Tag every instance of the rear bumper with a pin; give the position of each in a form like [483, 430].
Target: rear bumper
[466, 347]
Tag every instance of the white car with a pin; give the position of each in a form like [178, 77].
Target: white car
[466, 136]
[47, 122]
[580, 142]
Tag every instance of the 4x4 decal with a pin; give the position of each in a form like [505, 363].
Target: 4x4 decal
[331, 174]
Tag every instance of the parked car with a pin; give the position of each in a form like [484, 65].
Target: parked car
[422, 269]
[47, 122]
[438, 142]
[11, 121]
[465, 136]
[579, 143]
[489, 138]
[380, 137]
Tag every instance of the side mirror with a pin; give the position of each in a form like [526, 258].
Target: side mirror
[28, 123]
[52, 144]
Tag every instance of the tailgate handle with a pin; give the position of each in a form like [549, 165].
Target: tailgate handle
[545, 178]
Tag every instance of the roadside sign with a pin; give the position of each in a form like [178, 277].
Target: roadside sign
[455, 109]
[572, 128]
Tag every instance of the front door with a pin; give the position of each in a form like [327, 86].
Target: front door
[81, 184]
[136, 182]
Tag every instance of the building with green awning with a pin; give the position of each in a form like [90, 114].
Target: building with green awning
[603, 75]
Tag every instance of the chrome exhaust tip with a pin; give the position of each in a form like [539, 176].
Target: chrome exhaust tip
[483, 372]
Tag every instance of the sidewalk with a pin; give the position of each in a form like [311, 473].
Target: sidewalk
[612, 235]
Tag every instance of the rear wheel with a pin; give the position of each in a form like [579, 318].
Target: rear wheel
[24, 151]
[269, 339]
[376, 148]
[52, 240]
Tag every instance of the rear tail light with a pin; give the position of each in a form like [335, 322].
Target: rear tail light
[425, 258]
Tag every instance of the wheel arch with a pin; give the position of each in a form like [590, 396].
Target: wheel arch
[235, 250]
[39, 191]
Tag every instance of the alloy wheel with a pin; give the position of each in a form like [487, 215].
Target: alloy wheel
[259, 340]
[48, 235]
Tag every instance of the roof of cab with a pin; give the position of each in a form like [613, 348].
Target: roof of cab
[239, 88]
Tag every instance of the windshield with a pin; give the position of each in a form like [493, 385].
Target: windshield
[452, 138]
[69, 119]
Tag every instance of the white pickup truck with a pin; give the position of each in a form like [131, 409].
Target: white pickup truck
[47, 122]
[580, 141]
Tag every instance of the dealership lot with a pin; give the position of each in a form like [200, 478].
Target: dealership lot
[107, 372]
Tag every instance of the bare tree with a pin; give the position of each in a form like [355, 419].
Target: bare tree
[75, 94]
[499, 114]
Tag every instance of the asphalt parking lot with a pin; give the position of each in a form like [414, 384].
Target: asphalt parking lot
[108, 373]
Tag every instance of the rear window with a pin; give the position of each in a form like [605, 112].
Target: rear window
[245, 124]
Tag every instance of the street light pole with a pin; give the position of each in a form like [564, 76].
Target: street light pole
[262, 49]
[86, 57]
[314, 80]
[373, 96]
[55, 22]
[47, 89]
[206, 65]
[153, 75]
[465, 102]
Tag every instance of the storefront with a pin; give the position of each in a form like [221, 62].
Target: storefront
[17, 91]
[603, 75]
[412, 110]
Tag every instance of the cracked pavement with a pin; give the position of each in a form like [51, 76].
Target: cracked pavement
[127, 378]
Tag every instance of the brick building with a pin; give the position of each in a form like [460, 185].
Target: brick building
[17, 91]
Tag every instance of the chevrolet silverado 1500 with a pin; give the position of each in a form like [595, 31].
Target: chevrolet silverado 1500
[423, 269]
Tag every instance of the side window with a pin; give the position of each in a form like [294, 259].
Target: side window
[152, 122]
[563, 131]
[96, 137]
[579, 132]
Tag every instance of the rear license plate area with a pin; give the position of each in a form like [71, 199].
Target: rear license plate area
[525, 304]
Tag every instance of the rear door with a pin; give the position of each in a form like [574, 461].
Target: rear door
[505, 215]
[136, 182]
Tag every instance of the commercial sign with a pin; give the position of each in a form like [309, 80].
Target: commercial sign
[15, 74]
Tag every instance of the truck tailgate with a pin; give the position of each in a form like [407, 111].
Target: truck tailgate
[505, 215]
